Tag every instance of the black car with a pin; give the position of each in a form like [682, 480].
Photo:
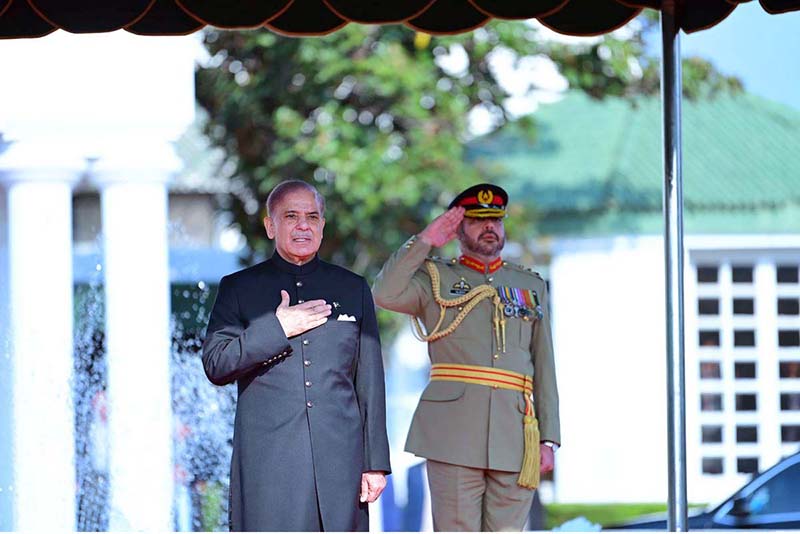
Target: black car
[771, 500]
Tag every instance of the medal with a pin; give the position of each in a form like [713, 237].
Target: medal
[520, 303]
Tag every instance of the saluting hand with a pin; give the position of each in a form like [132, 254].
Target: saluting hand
[443, 228]
[301, 317]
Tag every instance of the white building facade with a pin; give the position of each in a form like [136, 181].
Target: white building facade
[742, 363]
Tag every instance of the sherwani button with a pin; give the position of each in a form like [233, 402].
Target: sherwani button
[305, 342]
[307, 363]
[299, 283]
[310, 404]
[308, 383]
[300, 301]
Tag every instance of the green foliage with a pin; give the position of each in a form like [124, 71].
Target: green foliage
[620, 65]
[357, 113]
[212, 507]
[370, 116]
[601, 514]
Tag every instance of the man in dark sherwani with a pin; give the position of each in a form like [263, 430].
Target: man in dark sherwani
[300, 338]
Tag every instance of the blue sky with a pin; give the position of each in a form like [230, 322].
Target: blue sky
[761, 49]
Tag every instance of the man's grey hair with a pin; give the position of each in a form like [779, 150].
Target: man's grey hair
[280, 191]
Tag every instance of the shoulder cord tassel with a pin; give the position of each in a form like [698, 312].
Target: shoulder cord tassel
[529, 474]
[471, 299]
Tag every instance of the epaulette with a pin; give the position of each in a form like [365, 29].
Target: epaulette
[410, 241]
[523, 269]
[444, 261]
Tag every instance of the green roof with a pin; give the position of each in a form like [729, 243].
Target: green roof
[595, 166]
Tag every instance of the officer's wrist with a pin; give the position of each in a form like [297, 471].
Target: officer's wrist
[414, 239]
[422, 236]
[553, 445]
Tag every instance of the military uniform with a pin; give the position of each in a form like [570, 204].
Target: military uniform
[476, 425]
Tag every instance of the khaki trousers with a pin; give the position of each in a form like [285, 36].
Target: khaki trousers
[473, 500]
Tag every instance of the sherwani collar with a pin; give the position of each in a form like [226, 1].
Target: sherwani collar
[298, 270]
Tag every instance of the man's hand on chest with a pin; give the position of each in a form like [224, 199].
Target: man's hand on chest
[301, 317]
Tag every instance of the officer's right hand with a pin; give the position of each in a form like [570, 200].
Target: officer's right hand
[301, 317]
[547, 459]
[443, 228]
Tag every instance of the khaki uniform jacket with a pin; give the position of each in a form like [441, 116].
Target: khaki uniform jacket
[468, 424]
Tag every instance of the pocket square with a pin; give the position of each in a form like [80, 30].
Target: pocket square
[345, 317]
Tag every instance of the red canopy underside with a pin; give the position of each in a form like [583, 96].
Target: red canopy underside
[36, 18]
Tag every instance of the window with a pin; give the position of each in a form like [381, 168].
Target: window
[707, 274]
[710, 402]
[711, 434]
[746, 402]
[778, 495]
[747, 465]
[790, 433]
[788, 306]
[709, 338]
[744, 369]
[742, 275]
[744, 338]
[743, 306]
[708, 306]
[733, 354]
[790, 402]
[746, 434]
[710, 370]
[712, 466]
[789, 338]
[787, 274]
[789, 369]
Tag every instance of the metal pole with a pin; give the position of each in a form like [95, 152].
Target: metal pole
[673, 259]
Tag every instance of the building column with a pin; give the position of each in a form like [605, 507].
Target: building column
[133, 190]
[37, 446]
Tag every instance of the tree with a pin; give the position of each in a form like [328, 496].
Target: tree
[377, 119]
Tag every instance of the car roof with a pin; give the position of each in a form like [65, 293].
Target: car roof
[758, 479]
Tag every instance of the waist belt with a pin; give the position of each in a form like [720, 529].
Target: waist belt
[502, 379]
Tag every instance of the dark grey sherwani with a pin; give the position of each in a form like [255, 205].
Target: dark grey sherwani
[309, 423]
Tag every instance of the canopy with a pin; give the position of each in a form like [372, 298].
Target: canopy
[36, 18]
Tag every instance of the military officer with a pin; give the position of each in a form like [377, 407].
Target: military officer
[488, 420]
